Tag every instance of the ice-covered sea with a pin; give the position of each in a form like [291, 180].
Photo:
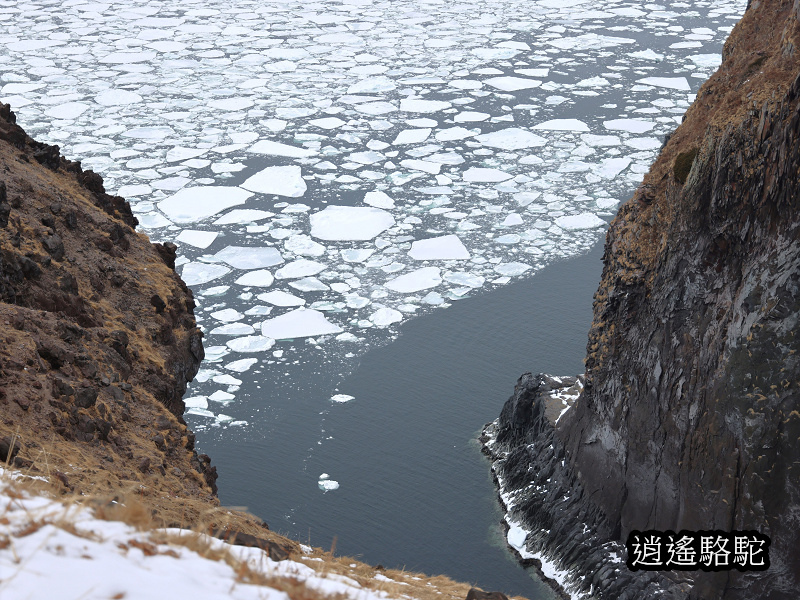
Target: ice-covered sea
[331, 169]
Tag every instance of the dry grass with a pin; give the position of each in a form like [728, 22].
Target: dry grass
[134, 509]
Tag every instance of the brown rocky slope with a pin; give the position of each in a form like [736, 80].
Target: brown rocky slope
[690, 418]
[97, 340]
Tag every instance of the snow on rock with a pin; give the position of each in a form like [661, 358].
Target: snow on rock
[446, 247]
[421, 279]
[301, 322]
[581, 221]
[89, 557]
[193, 204]
[336, 223]
[282, 181]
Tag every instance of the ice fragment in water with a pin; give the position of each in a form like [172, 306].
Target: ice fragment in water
[350, 223]
[279, 298]
[447, 247]
[198, 239]
[421, 279]
[512, 269]
[249, 257]
[252, 343]
[511, 139]
[301, 322]
[243, 215]
[378, 200]
[341, 398]
[512, 84]
[356, 255]
[675, 83]
[629, 125]
[258, 278]
[326, 484]
[581, 221]
[276, 149]
[418, 105]
[411, 136]
[384, 317]
[240, 366]
[196, 273]
[480, 174]
[233, 329]
[299, 268]
[282, 181]
[563, 125]
[190, 205]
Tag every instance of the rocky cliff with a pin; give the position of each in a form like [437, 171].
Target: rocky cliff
[690, 415]
[97, 338]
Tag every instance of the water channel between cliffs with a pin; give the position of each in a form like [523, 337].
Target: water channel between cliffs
[414, 488]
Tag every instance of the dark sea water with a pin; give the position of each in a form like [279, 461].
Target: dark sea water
[415, 490]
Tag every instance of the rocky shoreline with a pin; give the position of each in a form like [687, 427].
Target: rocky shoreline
[690, 414]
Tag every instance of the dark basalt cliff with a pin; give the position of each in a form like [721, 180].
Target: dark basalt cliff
[97, 335]
[690, 415]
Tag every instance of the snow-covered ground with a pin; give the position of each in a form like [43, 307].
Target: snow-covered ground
[331, 168]
[49, 550]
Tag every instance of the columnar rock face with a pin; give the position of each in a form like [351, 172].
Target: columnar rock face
[690, 416]
[97, 335]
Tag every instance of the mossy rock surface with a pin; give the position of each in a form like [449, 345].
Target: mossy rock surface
[683, 164]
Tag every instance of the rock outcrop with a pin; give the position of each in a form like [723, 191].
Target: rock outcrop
[97, 334]
[690, 416]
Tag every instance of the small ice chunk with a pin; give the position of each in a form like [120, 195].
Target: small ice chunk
[227, 315]
[197, 273]
[411, 136]
[453, 134]
[304, 245]
[283, 181]
[512, 219]
[198, 239]
[180, 153]
[421, 279]
[196, 402]
[327, 123]
[512, 84]
[233, 329]
[447, 247]
[193, 204]
[356, 255]
[379, 200]
[563, 125]
[243, 215]
[271, 148]
[302, 267]
[511, 139]
[611, 167]
[279, 298]
[338, 223]
[629, 125]
[251, 343]
[240, 366]
[600, 140]
[479, 174]
[581, 221]
[674, 83]
[326, 485]
[114, 97]
[512, 269]
[249, 257]
[383, 317]
[342, 398]
[465, 279]
[301, 322]
[258, 278]
[419, 105]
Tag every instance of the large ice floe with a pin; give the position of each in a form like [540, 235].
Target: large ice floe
[329, 171]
